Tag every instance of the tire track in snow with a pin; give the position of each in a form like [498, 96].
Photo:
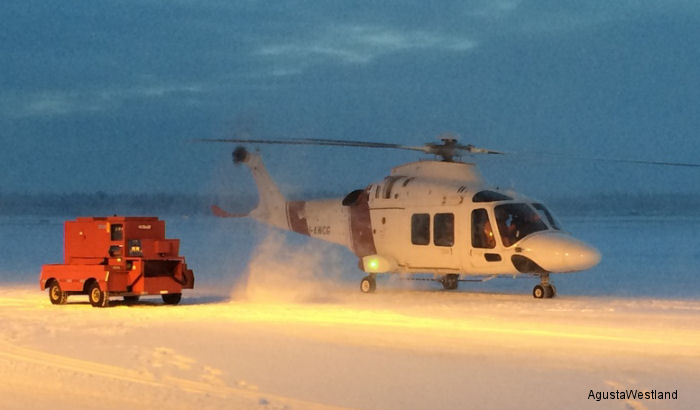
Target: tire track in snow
[37, 357]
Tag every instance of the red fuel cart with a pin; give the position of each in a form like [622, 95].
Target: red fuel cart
[117, 256]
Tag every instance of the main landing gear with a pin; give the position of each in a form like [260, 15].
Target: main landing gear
[450, 281]
[544, 290]
[368, 284]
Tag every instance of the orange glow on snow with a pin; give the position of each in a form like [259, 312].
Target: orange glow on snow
[514, 331]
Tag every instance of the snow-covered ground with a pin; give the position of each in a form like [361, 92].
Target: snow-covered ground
[277, 321]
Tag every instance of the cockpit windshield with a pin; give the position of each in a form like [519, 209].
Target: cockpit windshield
[544, 214]
[516, 221]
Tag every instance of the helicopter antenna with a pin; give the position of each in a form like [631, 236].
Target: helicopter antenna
[446, 151]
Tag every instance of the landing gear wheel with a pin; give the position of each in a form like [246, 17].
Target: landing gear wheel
[56, 295]
[548, 292]
[368, 284]
[130, 300]
[450, 282]
[538, 291]
[171, 298]
[97, 297]
[544, 291]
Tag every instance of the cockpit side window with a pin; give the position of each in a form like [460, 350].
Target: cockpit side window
[482, 232]
[544, 213]
[516, 221]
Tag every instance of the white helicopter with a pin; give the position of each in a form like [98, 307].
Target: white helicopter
[430, 216]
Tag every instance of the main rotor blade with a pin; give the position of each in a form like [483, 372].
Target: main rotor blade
[643, 162]
[476, 150]
[616, 160]
[316, 141]
[445, 150]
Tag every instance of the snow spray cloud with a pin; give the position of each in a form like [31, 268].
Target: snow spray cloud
[282, 271]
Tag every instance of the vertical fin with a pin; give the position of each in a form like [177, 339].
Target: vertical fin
[272, 206]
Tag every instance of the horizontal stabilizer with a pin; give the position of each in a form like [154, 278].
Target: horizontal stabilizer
[217, 211]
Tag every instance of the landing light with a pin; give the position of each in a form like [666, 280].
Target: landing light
[378, 264]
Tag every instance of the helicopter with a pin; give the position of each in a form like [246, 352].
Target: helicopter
[436, 216]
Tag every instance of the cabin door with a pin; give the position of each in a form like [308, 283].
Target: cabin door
[485, 255]
[432, 242]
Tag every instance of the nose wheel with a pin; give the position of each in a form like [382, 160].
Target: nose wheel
[545, 290]
[368, 284]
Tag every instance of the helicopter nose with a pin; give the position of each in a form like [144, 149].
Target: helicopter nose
[559, 252]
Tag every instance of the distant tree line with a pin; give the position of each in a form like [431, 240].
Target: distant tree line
[627, 204]
[103, 203]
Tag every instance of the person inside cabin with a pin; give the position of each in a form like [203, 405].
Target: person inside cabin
[516, 221]
[482, 232]
[489, 238]
[509, 230]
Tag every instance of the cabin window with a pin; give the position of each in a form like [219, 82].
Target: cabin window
[420, 229]
[544, 214]
[116, 232]
[482, 230]
[444, 229]
[516, 221]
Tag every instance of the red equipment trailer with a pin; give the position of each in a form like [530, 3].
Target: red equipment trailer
[117, 256]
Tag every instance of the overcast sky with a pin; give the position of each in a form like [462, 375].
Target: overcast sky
[106, 95]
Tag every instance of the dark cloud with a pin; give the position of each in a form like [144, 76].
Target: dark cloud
[93, 83]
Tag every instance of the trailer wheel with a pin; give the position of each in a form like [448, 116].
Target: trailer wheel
[97, 297]
[171, 298]
[56, 295]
